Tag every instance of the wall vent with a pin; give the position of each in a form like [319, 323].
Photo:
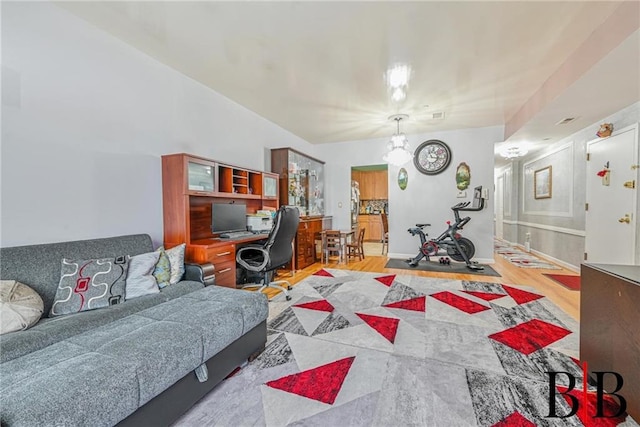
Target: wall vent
[438, 115]
[566, 120]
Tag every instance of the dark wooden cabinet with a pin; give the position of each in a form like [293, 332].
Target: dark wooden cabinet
[609, 331]
[305, 243]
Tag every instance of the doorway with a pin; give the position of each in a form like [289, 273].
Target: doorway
[612, 195]
[370, 199]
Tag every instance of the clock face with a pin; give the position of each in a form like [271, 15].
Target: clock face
[432, 157]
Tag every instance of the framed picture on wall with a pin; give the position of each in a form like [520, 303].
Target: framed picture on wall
[542, 183]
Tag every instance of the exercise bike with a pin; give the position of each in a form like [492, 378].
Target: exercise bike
[450, 241]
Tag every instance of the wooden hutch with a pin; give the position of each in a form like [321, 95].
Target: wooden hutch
[301, 184]
[190, 185]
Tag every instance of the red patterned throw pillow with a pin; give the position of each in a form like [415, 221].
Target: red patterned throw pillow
[90, 284]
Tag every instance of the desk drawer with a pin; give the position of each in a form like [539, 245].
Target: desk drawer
[221, 254]
[225, 273]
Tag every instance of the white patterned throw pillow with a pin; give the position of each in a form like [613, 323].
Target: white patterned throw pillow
[176, 259]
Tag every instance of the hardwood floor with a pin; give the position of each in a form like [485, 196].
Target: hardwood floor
[566, 299]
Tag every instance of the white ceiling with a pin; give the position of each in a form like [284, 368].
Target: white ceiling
[317, 68]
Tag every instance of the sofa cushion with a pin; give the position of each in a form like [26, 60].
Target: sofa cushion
[254, 306]
[88, 284]
[140, 280]
[20, 306]
[181, 288]
[162, 272]
[53, 329]
[39, 265]
[160, 352]
[219, 324]
[67, 385]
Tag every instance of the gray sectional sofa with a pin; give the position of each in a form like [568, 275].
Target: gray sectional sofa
[141, 362]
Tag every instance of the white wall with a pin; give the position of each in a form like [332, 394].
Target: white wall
[85, 119]
[426, 198]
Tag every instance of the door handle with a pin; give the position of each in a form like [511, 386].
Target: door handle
[630, 184]
[626, 219]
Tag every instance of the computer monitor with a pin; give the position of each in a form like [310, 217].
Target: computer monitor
[228, 217]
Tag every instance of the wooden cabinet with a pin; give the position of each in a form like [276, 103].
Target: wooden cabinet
[301, 180]
[609, 336]
[190, 185]
[305, 243]
[373, 184]
[373, 227]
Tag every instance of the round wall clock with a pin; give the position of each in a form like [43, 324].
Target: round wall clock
[432, 157]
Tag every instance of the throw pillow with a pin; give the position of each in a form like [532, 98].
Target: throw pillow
[90, 284]
[20, 306]
[140, 280]
[162, 272]
[176, 258]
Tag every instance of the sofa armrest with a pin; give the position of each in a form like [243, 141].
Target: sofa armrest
[202, 273]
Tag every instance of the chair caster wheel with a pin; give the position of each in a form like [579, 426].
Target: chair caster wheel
[288, 298]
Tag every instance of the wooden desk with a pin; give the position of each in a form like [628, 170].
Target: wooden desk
[222, 254]
[609, 333]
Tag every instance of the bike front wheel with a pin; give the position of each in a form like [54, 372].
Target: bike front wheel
[466, 246]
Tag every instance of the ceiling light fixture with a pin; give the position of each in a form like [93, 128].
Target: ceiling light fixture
[397, 78]
[399, 151]
[510, 152]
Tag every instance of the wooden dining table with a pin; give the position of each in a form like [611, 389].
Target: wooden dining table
[344, 238]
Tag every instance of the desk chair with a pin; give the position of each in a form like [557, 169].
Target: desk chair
[276, 252]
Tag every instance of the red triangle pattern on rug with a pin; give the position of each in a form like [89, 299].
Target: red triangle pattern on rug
[569, 281]
[322, 383]
[530, 336]
[487, 296]
[520, 296]
[323, 272]
[610, 407]
[386, 280]
[320, 305]
[462, 304]
[516, 419]
[414, 304]
[385, 326]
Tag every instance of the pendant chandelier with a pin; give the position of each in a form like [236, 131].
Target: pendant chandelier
[399, 151]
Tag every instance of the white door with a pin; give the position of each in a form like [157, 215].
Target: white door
[611, 217]
[499, 206]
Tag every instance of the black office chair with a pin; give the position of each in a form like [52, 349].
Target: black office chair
[275, 253]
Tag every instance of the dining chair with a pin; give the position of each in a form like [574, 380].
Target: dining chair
[356, 248]
[385, 232]
[331, 244]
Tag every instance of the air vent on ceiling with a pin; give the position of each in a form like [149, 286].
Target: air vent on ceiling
[566, 120]
[437, 115]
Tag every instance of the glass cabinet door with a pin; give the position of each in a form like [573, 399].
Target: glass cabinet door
[270, 186]
[201, 177]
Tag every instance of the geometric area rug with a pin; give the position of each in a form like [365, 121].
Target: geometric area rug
[370, 349]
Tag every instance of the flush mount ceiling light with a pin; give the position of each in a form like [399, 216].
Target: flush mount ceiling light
[399, 151]
[513, 151]
[397, 79]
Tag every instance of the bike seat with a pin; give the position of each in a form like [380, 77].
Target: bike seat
[423, 225]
